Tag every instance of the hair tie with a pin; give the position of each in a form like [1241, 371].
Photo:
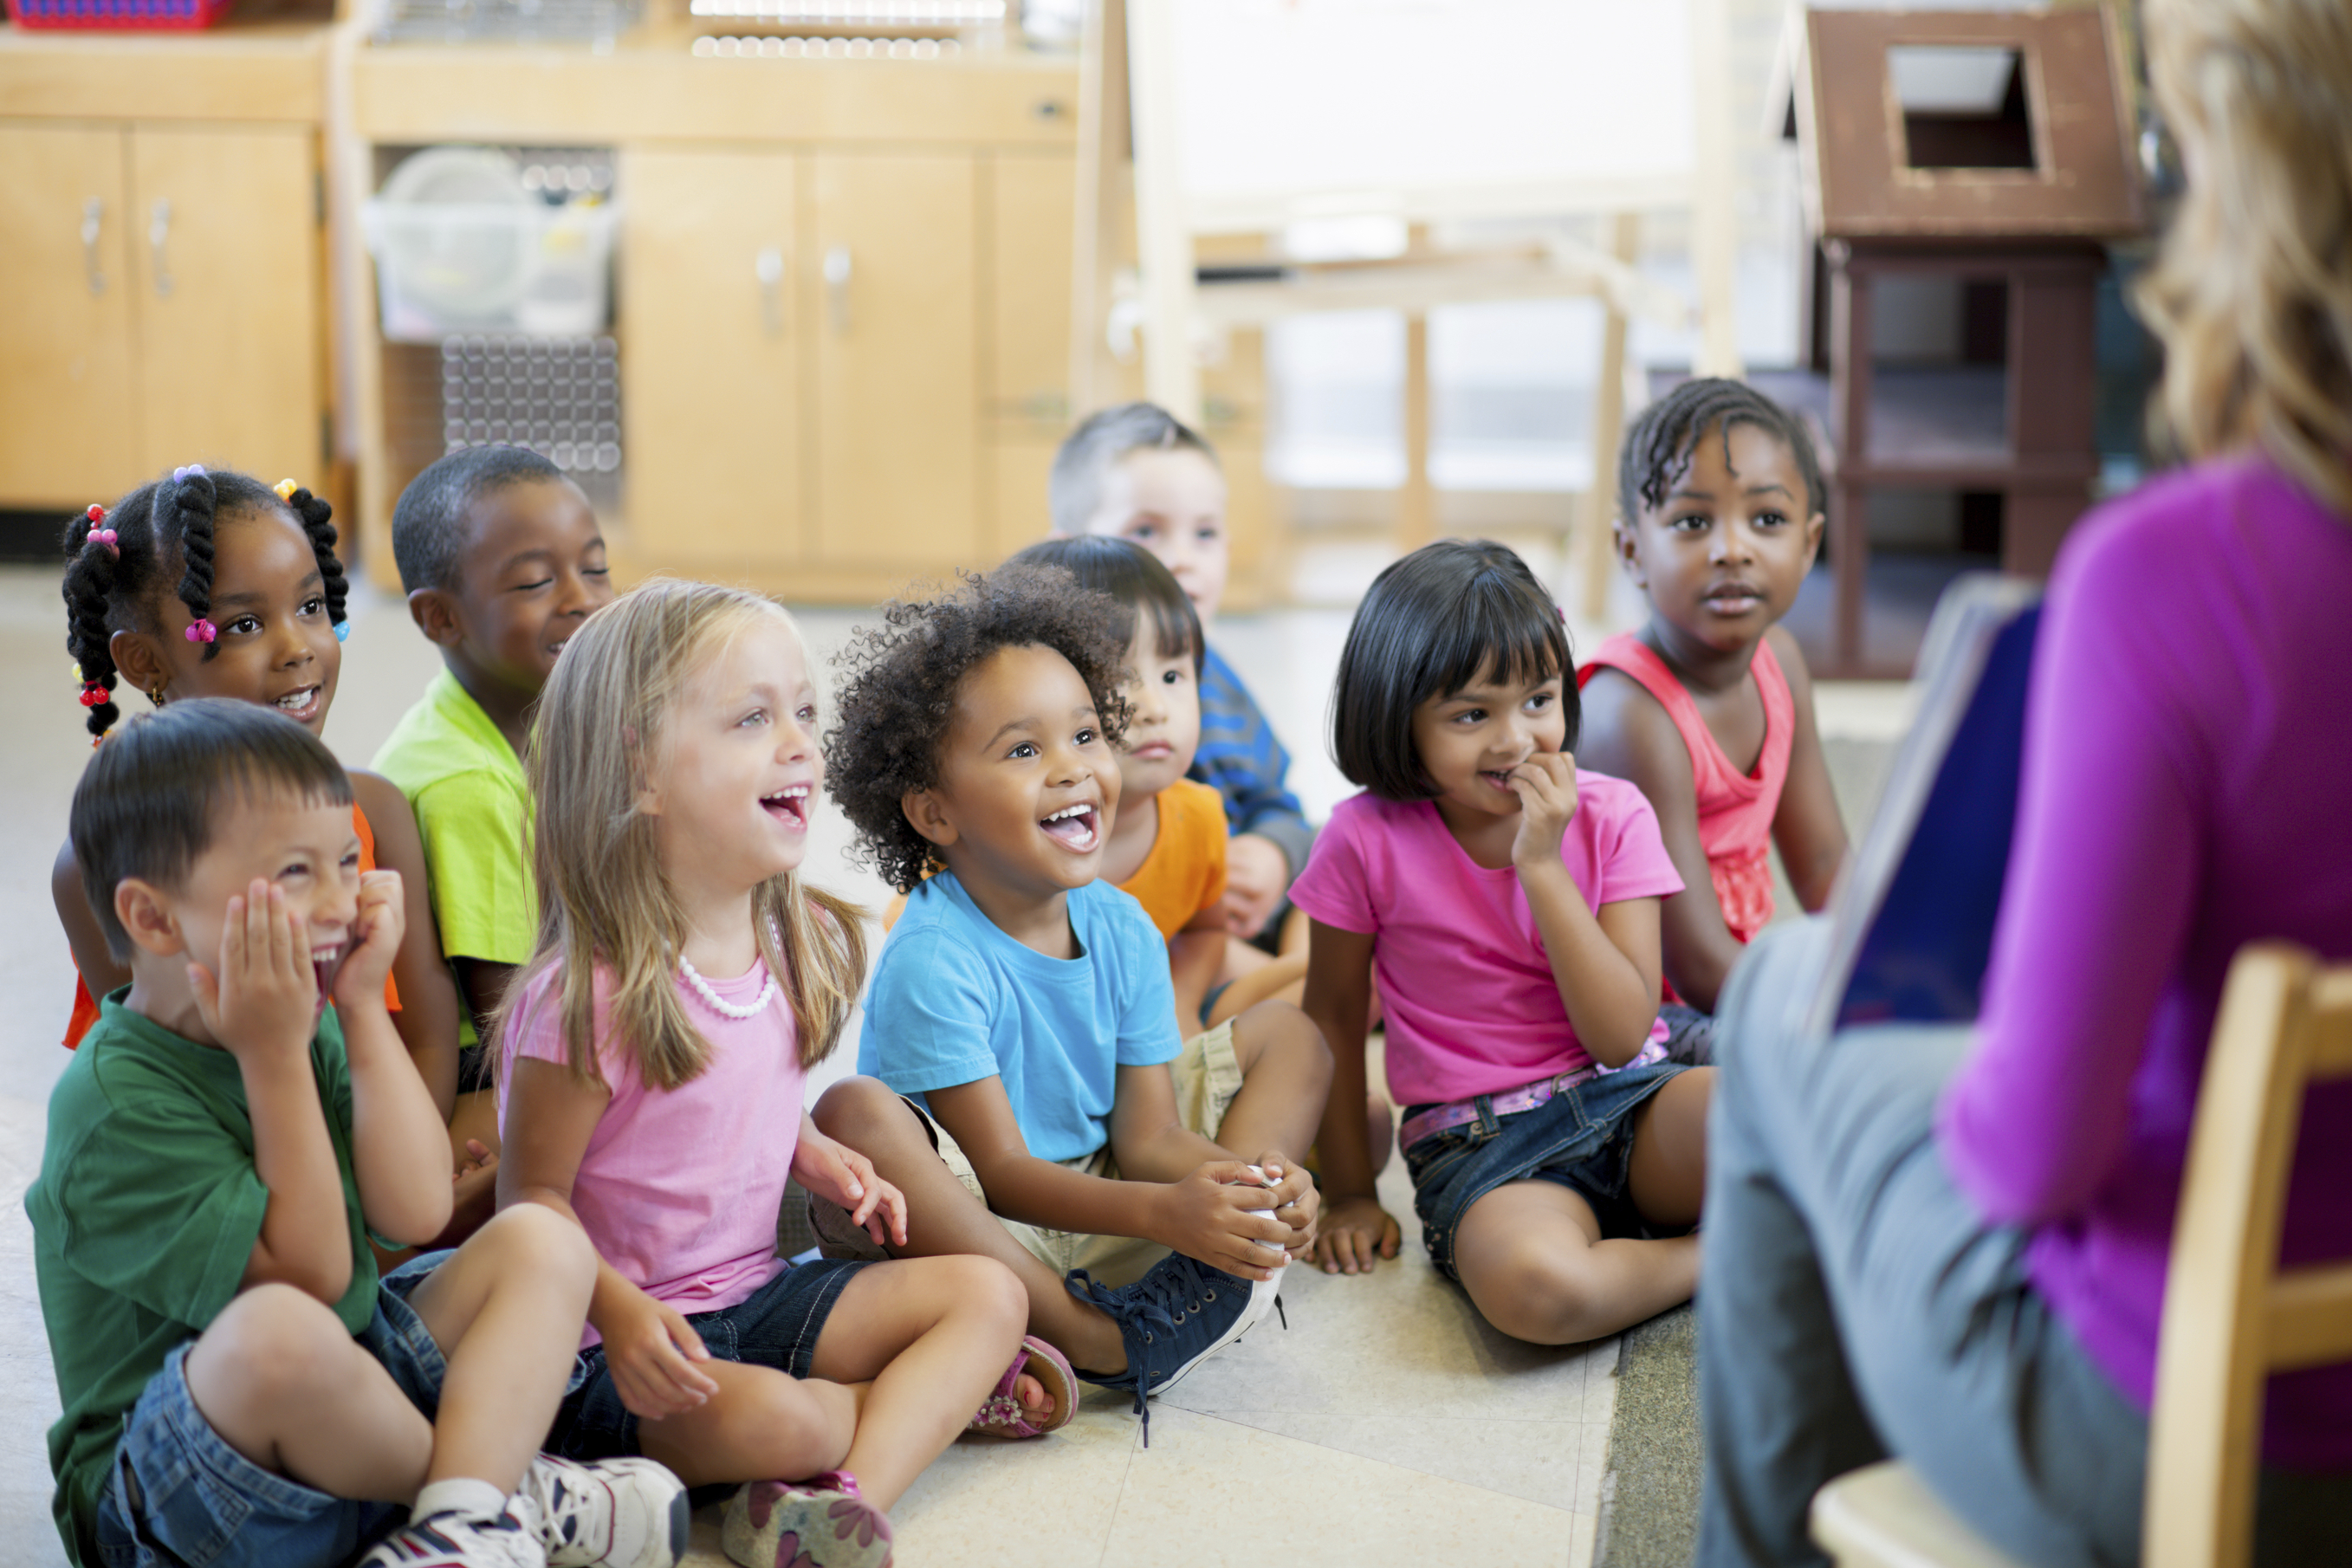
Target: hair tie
[98, 533]
[201, 630]
[286, 489]
[193, 471]
[92, 694]
[342, 631]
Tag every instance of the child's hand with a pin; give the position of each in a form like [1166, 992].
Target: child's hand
[265, 999]
[1546, 785]
[837, 1171]
[1256, 872]
[1355, 1233]
[1297, 1203]
[376, 934]
[478, 1157]
[652, 1350]
[1221, 1216]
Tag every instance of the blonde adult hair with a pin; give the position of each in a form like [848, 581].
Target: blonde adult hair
[2253, 295]
[605, 903]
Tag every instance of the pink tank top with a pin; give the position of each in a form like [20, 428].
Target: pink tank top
[1735, 809]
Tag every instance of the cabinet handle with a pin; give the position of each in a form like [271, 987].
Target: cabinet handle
[836, 288]
[159, 230]
[92, 211]
[768, 266]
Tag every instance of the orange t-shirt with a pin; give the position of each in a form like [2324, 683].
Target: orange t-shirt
[85, 1008]
[1184, 873]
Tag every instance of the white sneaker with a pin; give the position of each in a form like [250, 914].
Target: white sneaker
[613, 1513]
[459, 1541]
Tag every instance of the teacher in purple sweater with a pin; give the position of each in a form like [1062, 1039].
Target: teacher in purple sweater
[1950, 1243]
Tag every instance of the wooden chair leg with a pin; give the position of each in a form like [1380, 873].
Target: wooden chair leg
[1593, 540]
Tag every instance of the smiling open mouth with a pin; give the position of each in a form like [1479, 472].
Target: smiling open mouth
[1499, 777]
[1077, 828]
[298, 703]
[790, 804]
[324, 963]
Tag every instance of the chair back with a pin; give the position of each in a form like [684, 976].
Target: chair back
[2232, 1315]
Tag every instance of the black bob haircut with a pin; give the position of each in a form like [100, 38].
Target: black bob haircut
[1433, 623]
[1658, 447]
[898, 687]
[1134, 578]
[428, 521]
[154, 795]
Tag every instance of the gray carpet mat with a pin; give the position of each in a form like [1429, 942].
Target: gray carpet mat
[1649, 1495]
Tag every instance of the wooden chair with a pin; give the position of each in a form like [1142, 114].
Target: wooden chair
[2232, 1316]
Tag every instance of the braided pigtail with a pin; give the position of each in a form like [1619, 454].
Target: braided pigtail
[317, 520]
[94, 570]
[194, 504]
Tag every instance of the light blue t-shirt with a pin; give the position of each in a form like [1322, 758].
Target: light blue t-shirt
[955, 1000]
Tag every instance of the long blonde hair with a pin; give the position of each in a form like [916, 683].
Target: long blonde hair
[603, 899]
[2253, 295]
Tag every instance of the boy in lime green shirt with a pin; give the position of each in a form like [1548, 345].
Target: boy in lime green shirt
[502, 561]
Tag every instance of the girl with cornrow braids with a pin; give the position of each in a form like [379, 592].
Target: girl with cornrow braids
[1708, 707]
[211, 583]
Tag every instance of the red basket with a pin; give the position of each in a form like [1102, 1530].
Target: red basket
[145, 15]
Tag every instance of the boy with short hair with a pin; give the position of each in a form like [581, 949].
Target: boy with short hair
[1138, 472]
[1027, 1005]
[238, 1385]
[502, 561]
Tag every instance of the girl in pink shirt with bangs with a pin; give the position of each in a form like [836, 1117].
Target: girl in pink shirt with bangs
[1507, 902]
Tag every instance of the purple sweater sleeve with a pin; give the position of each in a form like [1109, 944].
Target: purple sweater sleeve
[2102, 878]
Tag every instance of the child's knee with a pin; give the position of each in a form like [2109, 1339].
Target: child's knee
[1277, 1032]
[1536, 1293]
[863, 1113]
[272, 1344]
[989, 1289]
[533, 1241]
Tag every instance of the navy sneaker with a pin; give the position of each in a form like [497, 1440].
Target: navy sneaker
[1171, 1320]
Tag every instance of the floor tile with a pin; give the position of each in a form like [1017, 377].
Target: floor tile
[1213, 1487]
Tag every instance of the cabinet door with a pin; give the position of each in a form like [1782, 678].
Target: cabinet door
[1032, 211]
[710, 375]
[68, 434]
[893, 303]
[226, 260]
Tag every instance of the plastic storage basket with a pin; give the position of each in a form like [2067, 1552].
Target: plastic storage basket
[152, 16]
[461, 247]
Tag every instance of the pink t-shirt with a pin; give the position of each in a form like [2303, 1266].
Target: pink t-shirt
[1468, 992]
[679, 1189]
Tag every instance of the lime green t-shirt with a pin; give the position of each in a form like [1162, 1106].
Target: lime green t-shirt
[472, 810]
[145, 1216]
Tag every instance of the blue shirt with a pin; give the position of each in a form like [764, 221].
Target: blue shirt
[955, 1000]
[1239, 755]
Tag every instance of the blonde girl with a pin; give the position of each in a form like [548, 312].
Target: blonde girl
[1951, 1242]
[652, 1056]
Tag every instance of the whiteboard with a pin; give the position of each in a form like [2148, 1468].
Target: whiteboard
[1429, 109]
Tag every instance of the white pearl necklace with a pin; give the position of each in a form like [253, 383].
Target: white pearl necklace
[720, 1004]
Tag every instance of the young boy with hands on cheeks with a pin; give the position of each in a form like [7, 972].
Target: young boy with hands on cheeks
[239, 1387]
[1055, 1118]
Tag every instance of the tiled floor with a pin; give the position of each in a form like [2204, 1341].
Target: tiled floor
[1386, 1424]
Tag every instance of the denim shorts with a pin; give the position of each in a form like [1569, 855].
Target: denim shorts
[179, 1495]
[777, 1326]
[1581, 1138]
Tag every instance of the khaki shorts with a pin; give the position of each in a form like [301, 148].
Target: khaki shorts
[1208, 1075]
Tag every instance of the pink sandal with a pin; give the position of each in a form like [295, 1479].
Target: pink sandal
[1002, 1414]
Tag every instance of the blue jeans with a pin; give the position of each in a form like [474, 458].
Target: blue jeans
[1853, 1305]
[778, 1326]
[1581, 1138]
[179, 1495]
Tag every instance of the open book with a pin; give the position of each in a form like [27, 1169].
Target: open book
[1912, 922]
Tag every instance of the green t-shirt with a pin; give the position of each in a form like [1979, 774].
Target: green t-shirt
[473, 809]
[145, 1216]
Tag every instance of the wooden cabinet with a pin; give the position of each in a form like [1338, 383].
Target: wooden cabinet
[66, 432]
[161, 268]
[709, 268]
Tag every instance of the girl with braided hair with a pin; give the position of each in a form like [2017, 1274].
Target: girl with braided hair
[213, 585]
[1708, 707]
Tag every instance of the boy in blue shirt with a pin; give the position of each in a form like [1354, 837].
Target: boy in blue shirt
[1056, 1121]
[1138, 472]
[239, 1387]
